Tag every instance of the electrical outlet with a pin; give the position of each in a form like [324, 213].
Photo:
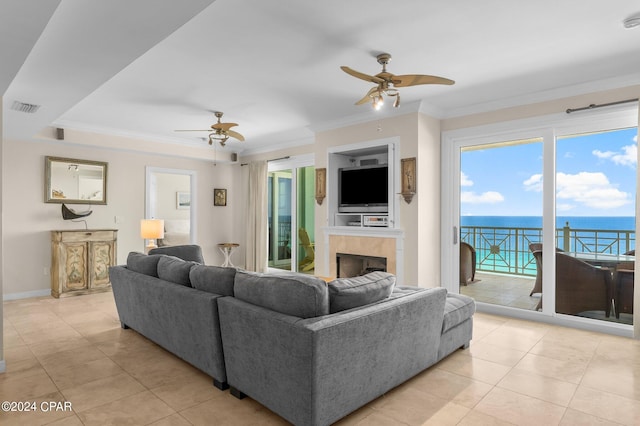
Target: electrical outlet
[46, 270]
[118, 219]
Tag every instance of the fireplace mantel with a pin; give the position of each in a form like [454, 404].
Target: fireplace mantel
[365, 231]
[371, 241]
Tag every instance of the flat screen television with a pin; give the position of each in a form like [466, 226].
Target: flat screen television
[363, 189]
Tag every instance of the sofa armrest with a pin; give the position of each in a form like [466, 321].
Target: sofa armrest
[317, 370]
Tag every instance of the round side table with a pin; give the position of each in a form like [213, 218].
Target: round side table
[227, 249]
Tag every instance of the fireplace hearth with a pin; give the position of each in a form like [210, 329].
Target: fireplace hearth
[354, 265]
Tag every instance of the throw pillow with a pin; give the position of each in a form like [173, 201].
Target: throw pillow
[214, 279]
[300, 295]
[142, 263]
[175, 270]
[347, 293]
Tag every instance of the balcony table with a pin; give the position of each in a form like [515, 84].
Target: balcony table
[602, 259]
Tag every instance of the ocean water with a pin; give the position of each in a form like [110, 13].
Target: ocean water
[619, 223]
[502, 242]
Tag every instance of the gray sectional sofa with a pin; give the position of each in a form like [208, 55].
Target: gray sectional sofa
[311, 352]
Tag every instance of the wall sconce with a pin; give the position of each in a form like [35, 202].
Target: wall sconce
[151, 229]
[321, 185]
[408, 178]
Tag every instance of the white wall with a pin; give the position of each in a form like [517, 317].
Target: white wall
[29, 219]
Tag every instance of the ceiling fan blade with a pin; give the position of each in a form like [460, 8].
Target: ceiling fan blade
[193, 130]
[223, 126]
[235, 135]
[415, 79]
[362, 76]
[367, 97]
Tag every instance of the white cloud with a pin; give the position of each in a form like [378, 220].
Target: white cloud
[464, 180]
[590, 189]
[489, 197]
[628, 156]
[534, 183]
[562, 207]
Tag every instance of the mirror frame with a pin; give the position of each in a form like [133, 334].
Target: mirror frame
[48, 161]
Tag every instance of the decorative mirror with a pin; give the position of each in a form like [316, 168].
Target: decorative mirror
[72, 181]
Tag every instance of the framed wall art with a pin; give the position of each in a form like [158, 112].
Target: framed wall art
[408, 178]
[219, 197]
[321, 184]
[183, 200]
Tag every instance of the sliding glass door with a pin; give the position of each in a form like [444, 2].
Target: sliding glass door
[543, 217]
[500, 219]
[291, 210]
[595, 221]
[279, 209]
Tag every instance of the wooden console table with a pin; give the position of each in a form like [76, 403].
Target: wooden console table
[80, 261]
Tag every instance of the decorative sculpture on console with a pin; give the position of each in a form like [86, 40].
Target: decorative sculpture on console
[72, 215]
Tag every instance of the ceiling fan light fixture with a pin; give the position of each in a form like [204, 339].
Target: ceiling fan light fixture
[378, 102]
[396, 103]
[221, 138]
[632, 21]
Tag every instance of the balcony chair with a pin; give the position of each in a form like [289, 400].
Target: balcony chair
[467, 263]
[581, 287]
[623, 292]
[537, 286]
[308, 263]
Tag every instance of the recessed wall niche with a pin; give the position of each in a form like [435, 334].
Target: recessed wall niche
[356, 179]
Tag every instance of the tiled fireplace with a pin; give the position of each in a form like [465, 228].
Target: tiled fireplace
[365, 243]
[354, 265]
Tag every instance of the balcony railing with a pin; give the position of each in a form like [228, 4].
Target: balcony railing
[506, 250]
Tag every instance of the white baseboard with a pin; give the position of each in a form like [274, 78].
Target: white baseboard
[3, 366]
[26, 294]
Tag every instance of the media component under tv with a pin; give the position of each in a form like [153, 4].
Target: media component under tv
[363, 189]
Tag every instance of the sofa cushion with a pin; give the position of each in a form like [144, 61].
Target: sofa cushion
[175, 270]
[214, 279]
[299, 295]
[347, 293]
[191, 252]
[143, 263]
[457, 309]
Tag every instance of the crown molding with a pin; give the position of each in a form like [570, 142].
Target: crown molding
[365, 117]
[103, 130]
[276, 147]
[545, 95]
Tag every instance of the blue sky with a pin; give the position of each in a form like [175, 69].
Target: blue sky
[596, 176]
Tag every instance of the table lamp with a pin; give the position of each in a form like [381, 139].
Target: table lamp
[151, 229]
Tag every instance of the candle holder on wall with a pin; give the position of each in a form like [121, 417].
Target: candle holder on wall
[321, 185]
[408, 169]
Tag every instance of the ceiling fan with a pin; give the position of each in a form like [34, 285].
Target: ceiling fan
[220, 132]
[387, 82]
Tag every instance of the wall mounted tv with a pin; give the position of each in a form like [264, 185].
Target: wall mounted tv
[363, 189]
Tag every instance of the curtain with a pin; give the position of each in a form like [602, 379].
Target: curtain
[257, 227]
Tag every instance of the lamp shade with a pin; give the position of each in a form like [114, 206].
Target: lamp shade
[152, 228]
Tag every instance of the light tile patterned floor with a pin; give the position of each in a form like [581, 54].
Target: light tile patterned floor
[515, 372]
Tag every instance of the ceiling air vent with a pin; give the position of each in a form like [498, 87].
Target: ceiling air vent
[25, 107]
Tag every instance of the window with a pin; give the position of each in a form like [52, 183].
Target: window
[516, 188]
